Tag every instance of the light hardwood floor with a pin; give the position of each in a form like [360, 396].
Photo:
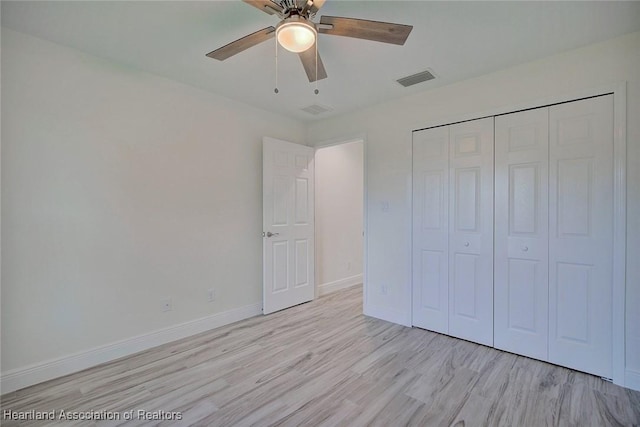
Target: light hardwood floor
[324, 363]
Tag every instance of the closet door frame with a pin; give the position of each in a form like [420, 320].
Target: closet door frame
[619, 90]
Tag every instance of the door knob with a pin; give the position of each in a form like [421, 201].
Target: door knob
[270, 234]
[525, 249]
[466, 244]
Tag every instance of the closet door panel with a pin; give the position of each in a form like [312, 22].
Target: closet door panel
[431, 229]
[521, 233]
[581, 230]
[471, 231]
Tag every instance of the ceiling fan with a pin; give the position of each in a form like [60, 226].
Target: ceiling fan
[297, 32]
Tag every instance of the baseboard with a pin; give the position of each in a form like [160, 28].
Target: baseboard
[327, 288]
[55, 368]
[388, 314]
[632, 379]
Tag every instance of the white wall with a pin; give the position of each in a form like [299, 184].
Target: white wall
[119, 189]
[339, 198]
[388, 128]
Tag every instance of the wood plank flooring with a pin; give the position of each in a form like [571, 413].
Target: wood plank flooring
[326, 364]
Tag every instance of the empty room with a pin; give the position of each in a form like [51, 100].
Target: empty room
[320, 212]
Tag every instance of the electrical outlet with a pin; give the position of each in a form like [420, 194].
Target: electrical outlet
[166, 304]
[211, 294]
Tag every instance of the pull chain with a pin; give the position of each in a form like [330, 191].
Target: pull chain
[276, 89]
[316, 46]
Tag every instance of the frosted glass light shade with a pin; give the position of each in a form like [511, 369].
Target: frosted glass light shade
[296, 36]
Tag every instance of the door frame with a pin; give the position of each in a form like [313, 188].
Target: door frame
[619, 91]
[358, 137]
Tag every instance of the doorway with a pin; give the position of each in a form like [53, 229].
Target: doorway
[339, 214]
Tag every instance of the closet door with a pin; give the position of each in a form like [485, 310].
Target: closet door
[431, 229]
[471, 230]
[521, 233]
[581, 230]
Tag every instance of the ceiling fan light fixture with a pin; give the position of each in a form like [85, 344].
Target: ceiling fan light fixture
[296, 34]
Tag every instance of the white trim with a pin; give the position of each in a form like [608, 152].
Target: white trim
[358, 137]
[365, 225]
[55, 368]
[410, 296]
[619, 233]
[388, 314]
[540, 102]
[336, 285]
[632, 380]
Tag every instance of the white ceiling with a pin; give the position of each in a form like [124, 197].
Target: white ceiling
[457, 40]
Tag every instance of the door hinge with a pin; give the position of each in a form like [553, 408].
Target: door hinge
[609, 380]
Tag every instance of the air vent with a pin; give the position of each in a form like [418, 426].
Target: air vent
[416, 78]
[316, 109]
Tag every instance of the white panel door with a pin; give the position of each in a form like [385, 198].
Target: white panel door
[431, 229]
[521, 270]
[471, 230]
[288, 224]
[581, 235]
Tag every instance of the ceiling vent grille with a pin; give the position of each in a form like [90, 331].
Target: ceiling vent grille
[316, 109]
[423, 76]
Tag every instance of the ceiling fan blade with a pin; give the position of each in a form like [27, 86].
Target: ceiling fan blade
[385, 32]
[309, 63]
[267, 6]
[244, 43]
